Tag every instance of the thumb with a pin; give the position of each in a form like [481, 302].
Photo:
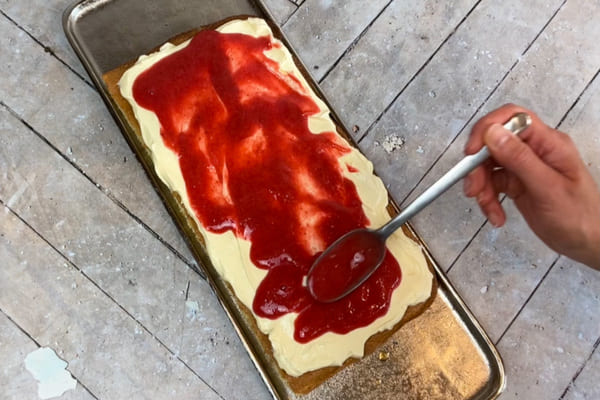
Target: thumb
[514, 155]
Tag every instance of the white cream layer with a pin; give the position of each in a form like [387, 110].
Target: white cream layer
[230, 255]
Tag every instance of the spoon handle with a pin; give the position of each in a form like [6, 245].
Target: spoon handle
[516, 124]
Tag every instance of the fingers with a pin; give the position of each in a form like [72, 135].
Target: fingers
[553, 147]
[512, 153]
[498, 116]
[482, 184]
[488, 201]
[557, 150]
[504, 181]
[528, 163]
[475, 181]
[486, 185]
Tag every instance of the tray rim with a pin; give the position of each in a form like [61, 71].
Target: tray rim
[467, 318]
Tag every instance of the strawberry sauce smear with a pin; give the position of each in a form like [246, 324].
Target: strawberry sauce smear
[252, 166]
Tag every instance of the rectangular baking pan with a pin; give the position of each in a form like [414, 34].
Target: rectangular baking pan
[442, 354]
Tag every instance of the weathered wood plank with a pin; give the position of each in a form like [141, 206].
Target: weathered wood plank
[14, 347]
[583, 125]
[502, 267]
[547, 84]
[501, 275]
[583, 122]
[554, 334]
[71, 116]
[16, 382]
[498, 271]
[42, 20]
[586, 385]
[281, 9]
[462, 74]
[506, 255]
[385, 59]
[121, 257]
[106, 349]
[321, 30]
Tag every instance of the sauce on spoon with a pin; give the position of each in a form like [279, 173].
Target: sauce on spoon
[335, 272]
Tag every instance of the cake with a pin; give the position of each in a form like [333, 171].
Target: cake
[240, 138]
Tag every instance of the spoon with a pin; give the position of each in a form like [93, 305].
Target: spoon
[353, 258]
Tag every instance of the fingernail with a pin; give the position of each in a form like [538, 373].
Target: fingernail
[497, 136]
[494, 219]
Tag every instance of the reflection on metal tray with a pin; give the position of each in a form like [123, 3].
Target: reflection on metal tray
[442, 354]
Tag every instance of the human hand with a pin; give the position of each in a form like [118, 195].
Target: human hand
[542, 172]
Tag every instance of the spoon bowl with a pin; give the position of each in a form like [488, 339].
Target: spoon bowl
[354, 257]
[346, 264]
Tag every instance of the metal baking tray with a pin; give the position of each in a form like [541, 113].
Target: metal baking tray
[442, 354]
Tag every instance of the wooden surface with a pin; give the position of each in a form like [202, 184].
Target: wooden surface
[92, 266]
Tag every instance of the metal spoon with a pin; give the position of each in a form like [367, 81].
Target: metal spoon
[353, 258]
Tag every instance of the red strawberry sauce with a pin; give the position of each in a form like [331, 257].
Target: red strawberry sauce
[252, 166]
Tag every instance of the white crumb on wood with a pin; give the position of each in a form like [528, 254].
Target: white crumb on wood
[392, 143]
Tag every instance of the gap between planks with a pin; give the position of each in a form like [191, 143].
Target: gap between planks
[572, 382]
[39, 346]
[104, 190]
[69, 262]
[421, 68]
[552, 264]
[483, 103]
[355, 41]
[48, 50]
[558, 126]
